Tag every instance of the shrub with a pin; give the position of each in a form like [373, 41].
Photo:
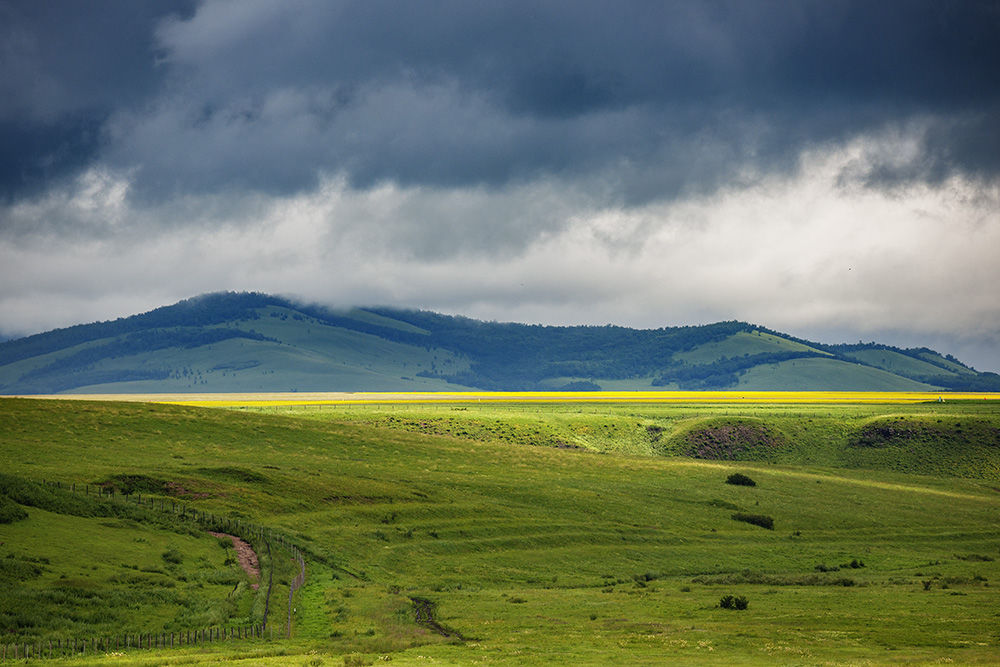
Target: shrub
[738, 602]
[739, 479]
[761, 520]
[10, 511]
[172, 555]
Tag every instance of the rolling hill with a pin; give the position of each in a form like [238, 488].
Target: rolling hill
[250, 342]
[568, 533]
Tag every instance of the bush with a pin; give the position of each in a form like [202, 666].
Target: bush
[738, 602]
[172, 555]
[761, 520]
[10, 511]
[739, 479]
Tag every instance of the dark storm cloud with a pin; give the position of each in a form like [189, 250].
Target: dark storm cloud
[64, 68]
[660, 97]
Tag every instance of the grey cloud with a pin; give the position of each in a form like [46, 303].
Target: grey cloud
[269, 96]
[64, 68]
[967, 144]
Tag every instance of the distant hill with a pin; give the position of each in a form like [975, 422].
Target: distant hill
[246, 342]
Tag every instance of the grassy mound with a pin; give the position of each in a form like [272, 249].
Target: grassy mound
[955, 446]
[734, 440]
[941, 432]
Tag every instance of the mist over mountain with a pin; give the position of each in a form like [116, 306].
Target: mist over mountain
[229, 342]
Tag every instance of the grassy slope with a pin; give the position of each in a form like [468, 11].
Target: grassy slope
[543, 554]
[312, 356]
[935, 358]
[102, 576]
[827, 374]
[895, 362]
[795, 375]
[739, 344]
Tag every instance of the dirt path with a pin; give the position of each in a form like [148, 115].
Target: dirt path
[246, 556]
[425, 609]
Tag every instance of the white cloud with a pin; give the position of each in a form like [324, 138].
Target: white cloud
[810, 254]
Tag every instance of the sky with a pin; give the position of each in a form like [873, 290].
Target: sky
[825, 168]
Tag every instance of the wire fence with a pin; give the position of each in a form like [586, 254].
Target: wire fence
[57, 648]
[119, 642]
[296, 584]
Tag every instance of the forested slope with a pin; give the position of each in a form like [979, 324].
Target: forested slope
[259, 342]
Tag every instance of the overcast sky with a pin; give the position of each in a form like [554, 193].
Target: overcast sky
[828, 169]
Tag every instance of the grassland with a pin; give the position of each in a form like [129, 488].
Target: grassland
[539, 531]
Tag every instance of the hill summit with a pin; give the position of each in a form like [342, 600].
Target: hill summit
[251, 342]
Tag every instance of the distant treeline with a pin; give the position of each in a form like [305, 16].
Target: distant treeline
[206, 310]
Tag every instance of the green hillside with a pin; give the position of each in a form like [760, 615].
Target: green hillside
[745, 343]
[230, 342]
[519, 530]
[815, 373]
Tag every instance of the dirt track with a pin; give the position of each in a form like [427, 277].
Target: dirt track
[247, 558]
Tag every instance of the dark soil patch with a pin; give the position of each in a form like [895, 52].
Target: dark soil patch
[246, 556]
[733, 441]
[567, 445]
[885, 434]
[180, 491]
[897, 431]
[425, 610]
[129, 484]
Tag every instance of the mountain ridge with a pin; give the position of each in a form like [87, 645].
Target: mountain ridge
[249, 341]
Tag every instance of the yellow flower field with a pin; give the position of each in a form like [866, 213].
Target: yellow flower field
[763, 397]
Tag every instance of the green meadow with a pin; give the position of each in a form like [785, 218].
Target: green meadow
[515, 533]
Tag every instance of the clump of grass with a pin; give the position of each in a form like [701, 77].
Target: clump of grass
[10, 511]
[739, 479]
[172, 555]
[737, 602]
[761, 520]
